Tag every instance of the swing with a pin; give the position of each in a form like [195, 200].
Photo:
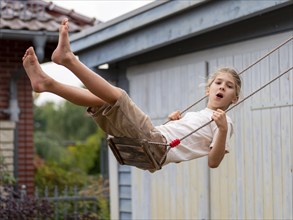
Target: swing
[150, 156]
[137, 152]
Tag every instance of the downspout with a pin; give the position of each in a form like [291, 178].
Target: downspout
[39, 44]
[13, 110]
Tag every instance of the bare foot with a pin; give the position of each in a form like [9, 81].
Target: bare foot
[40, 81]
[63, 54]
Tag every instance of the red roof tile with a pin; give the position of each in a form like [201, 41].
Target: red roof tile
[39, 15]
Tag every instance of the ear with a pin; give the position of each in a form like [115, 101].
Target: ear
[207, 90]
[235, 100]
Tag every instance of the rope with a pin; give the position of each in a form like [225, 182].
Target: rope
[251, 65]
[274, 79]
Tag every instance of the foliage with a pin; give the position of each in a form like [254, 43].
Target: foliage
[85, 156]
[48, 146]
[100, 188]
[68, 121]
[94, 206]
[65, 135]
[5, 176]
[18, 206]
[67, 144]
[50, 174]
[104, 211]
[73, 167]
[15, 205]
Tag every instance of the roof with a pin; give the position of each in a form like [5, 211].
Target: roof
[165, 24]
[39, 15]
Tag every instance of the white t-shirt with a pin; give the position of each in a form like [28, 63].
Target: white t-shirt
[199, 143]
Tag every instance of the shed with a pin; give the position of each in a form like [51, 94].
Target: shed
[162, 54]
[23, 24]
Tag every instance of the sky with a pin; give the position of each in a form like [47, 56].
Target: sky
[101, 10]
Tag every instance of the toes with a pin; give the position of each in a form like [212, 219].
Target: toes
[64, 25]
[64, 21]
[25, 54]
[31, 50]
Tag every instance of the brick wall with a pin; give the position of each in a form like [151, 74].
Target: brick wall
[11, 52]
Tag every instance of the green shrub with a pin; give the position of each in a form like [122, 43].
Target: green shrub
[6, 178]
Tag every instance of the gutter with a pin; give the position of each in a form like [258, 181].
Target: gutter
[38, 38]
[25, 35]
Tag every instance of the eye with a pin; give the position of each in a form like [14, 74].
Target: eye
[230, 86]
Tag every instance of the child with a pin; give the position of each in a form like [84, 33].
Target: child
[117, 115]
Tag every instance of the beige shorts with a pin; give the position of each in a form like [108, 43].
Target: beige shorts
[125, 119]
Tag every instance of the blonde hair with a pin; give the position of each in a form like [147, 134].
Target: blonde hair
[233, 73]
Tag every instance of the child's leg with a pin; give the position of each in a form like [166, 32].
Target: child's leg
[41, 82]
[95, 83]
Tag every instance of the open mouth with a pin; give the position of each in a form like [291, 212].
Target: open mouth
[219, 95]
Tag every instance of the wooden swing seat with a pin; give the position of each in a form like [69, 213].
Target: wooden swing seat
[137, 152]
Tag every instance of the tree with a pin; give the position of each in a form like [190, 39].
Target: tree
[69, 121]
[68, 142]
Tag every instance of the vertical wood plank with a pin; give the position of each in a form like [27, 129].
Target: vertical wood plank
[214, 175]
[275, 133]
[239, 151]
[286, 57]
[266, 140]
[249, 156]
[257, 142]
[223, 168]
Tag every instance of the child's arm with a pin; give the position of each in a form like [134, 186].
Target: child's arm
[217, 153]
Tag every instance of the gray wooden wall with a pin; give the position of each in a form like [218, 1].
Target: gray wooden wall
[255, 179]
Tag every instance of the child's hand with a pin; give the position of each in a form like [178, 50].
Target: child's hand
[219, 117]
[175, 116]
